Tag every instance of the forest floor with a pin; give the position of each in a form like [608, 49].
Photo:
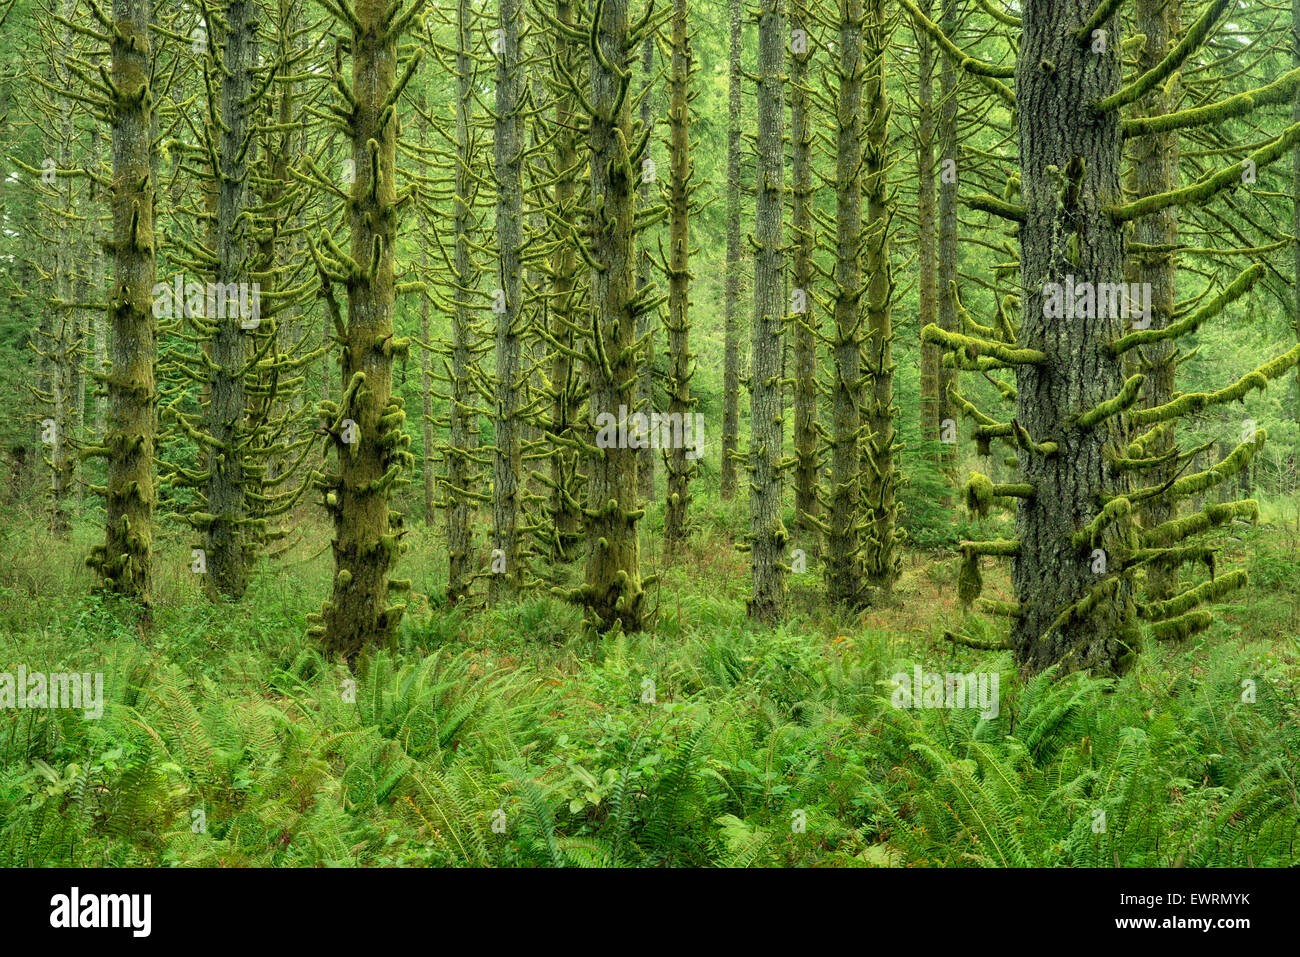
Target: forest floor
[505, 737]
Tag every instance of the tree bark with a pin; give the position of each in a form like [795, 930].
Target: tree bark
[767, 532]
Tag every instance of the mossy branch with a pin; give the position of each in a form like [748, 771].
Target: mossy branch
[1196, 401]
[1189, 44]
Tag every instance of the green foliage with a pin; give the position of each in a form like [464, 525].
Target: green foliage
[502, 744]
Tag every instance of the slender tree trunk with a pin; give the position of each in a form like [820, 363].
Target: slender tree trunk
[880, 467]
[1295, 209]
[508, 308]
[64, 345]
[731, 301]
[679, 465]
[565, 394]
[227, 529]
[125, 559]
[99, 325]
[843, 568]
[462, 438]
[426, 380]
[648, 319]
[927, 238]
[803, 310]
[767, 533]
[949, 182]
[1155, 170]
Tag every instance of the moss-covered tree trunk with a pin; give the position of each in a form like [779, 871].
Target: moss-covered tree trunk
[125, 559]
[367, 423]
[927, 238]
[843, 565]
[880, 448]
[679, 463]
[613, 592]
[1154, 169]
[508, 310]
[65, 339]
[426, 377]
[1070, 160]
[767, 532]
[1295, 209]
[225, 524]
[566, 398]
[731, 289]
[803, 313]
[647, 320]
[462, 431]
[947, 267]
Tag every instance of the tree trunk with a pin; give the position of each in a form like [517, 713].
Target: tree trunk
[649, 318]
[926, 236]
[462, 437]
[767, 532]
[613, 590]
[803, 311]
[949, 183]
[1075, 608]
[125, 559]
[372, 450]
[227, 528]
[843, 569]
[880, 468]
[506, 574]
[679, 466]
[1154, 170]
[566, 398]
[731, 294]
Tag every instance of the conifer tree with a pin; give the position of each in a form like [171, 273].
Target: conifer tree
[1089, 453]
[365, 425]
[613, 593]
[124, 561]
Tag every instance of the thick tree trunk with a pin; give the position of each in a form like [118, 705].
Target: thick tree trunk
[613, 590]
[1074, 607]
[372, 452]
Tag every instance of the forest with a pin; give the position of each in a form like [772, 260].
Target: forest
[649, 433]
